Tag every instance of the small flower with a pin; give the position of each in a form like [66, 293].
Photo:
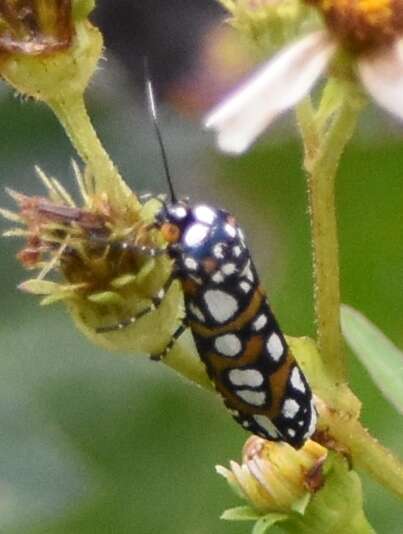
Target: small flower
[367, 31]
[274, 476]
[311, 490]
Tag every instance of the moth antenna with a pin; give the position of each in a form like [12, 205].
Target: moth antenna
[152, 108]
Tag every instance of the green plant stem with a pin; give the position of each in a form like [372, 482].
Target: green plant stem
[321, 163]
[71, 111]
[367, 453]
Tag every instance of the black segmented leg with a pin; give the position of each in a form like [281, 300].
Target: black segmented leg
[175, 336]
[155, 302]
[152, 252]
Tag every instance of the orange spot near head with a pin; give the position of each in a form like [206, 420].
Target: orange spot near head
[210, 265]
[170, 232]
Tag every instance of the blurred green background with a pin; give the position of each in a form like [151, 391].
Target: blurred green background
[93, 442]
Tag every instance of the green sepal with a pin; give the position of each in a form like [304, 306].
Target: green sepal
[241, 513]
[106, 297]
[124, 280]
[337, 508]
[382, 359]
[266, 522]
[145, 271]
[300, 505]
[82, 8]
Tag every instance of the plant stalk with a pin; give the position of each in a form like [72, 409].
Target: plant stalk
[71, 111]
[367, 453]
[321, 164]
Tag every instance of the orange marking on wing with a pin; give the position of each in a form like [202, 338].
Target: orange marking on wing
[209, 265]
[218, 364]
[241, 320]
[278, 385]
[252, 352]
[190, 287]
[277, 381]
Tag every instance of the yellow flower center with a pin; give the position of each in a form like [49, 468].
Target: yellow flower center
[362, 25]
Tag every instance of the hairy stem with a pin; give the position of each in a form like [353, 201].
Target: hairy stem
[367, 453]
[321, 163]
[71, 111]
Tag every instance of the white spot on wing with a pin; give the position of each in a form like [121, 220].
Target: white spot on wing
[218, 277]
[228, 268]
[196, 234]
[275, 347]
[257, 398]
[205, 214]
[290, 408]
[245, 286]
[246, 377]
[230, 230]
[296, 380]
[260, 322]
[291, 432]
[312, 422]
[237, 251]
[179, 212]
[228, 345]
[265, 423]
[221, 305]
[248, 272]
[218, 250]
[191, 263]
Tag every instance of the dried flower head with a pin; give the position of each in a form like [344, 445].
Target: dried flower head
[35, 26]
[79, 255]
[48, 48]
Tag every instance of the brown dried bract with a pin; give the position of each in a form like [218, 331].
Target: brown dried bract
[327, 440]
[35, 26]
[314, 479]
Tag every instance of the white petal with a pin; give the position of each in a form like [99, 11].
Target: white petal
[382, 76]
[276, 87]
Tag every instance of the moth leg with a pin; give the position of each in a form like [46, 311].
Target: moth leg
[155, 302]
[175, 336]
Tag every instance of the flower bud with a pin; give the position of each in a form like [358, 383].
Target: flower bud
[274, 476]
[309, 491]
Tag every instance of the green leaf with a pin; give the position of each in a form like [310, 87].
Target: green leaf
[382, 359]
[266, 522]
[241, 513]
